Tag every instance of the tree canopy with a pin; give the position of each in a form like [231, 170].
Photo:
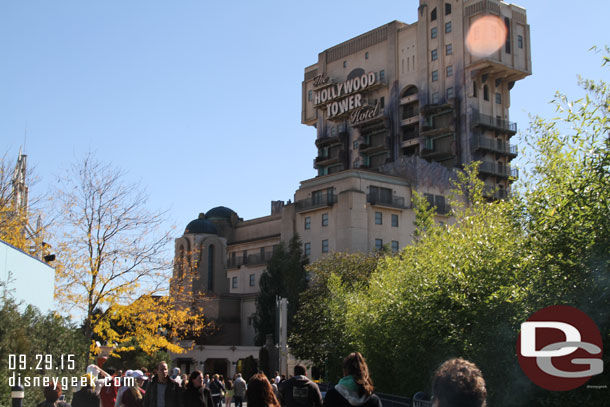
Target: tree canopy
[462, 290]
[285, 277]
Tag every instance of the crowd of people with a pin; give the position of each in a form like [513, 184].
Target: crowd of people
[457, 382]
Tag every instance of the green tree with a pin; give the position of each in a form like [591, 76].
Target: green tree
[318, 333]
[285, 277]
[25, 331]
[464, 289]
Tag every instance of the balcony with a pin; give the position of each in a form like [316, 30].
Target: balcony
[504, 171]
[329, 141]
[439, 149]
[496, 146]
[389, 201]
[494, 193]
[410, 120]
[315, 203]
[493, 123]
[250, 260]
[409, 99]
[322, 161]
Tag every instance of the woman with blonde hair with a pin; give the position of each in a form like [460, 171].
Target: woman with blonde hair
[355, 388]
[260, 392]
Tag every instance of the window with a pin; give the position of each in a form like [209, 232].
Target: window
[382, 75]
[520, 41]
[366, 55]
[307, 249]
[485, 92]
[211, 267]
[325, 219]
[433, 15]
[345, 64]
[394, 246]
[325, 246]
[498, 98]
[434, 54]
[309, 95]
[307, 223]
[434, 76]
[234, 282]
[474, 89]
[252, 280]
[450, 70]
[394, 221]
[448, 27]
[450, 93]
[382, 102]
[447, 9]
[317, 197]
[433, 32]
[449, 49]
[355, 145]
[378, 218]
[435, 97]
[378, 244]
[508, 35]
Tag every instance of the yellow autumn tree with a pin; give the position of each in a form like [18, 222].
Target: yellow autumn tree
[114, 261]
[14, 222]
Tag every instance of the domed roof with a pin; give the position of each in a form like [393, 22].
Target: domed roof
[201, 225]
[220, 212]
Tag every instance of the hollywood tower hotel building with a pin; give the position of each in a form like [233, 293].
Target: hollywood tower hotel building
[395, 110]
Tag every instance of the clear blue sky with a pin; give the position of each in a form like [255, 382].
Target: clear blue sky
[201, 101]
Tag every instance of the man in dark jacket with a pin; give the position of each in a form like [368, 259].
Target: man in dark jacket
[162, 391]
[299, 391]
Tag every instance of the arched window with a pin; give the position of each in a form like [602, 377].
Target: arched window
[181, 260]
[211, 268]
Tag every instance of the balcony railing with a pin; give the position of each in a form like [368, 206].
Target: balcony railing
[498, 146]
[495, 193]
[480, 119]
[500, 170]
[392, 201]
[316, 202]
[250, 260]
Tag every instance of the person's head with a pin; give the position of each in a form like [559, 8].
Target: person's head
[260, 393]
[175, 372]
[139, 376]
[276, 374]
[216, 377]
[195, 379]
[299, 370]
[52, 393]
[458, 382]
[229, 384]
[354, 365]
[162, 371]
[221, 378]
[238, 375]
[207, 376]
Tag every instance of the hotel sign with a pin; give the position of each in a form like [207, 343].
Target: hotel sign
[344, 98]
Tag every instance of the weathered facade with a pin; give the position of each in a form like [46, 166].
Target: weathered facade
[396, 110]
